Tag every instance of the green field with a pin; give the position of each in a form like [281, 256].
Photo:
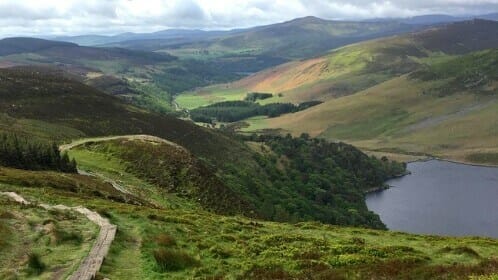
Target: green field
[191, 100]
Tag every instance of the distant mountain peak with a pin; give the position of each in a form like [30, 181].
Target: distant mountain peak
[307, 19]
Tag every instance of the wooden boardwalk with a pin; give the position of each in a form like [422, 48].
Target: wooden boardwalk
[93, 261]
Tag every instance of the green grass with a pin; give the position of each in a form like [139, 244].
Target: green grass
[421, 113]
[184, 242]
[340, 72]
[489, 158]
[173, 260]
[398, 115]
[42, 243]
[256, 123]
[103, 164]
[208, 245]
[191, 100]
[37, 128]
[376, 125]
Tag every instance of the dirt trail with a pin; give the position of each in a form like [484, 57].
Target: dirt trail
[93, 261]
[143, 137]
[114, 184]
[17, 198]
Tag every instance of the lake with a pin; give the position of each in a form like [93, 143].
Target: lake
[442, 198]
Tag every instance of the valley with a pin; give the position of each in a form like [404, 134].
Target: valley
[376, 95]
[283, 151]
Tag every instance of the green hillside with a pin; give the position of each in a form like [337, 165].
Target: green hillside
[446, 109]
[392, 95]
[147, 79]
[295, 39]
[171, 237]
[183, 203]
[96, 175]
[54, 250]
[46, 105]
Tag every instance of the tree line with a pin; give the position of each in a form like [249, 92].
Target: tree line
[232, 111]
[312, 179]
[255, 96]
[25, 153]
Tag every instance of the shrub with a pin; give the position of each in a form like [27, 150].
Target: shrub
[173, 260]
[220, 252]
[358, 241]
[6, 215]
[165, 240]
[35, 265]
[308, 255]
[62, 236]
[254, 96]
[267, 272]
[460, 250]
[4, 232]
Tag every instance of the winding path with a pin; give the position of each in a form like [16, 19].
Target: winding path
[150, 138]
[115, 184]
[93, 261]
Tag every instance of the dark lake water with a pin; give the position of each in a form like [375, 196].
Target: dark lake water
[441, 198]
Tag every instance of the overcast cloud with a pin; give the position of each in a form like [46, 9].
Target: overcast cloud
[75, 17]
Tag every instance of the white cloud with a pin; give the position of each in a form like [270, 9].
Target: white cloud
[35, 17]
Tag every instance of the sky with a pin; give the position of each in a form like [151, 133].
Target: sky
[106, 17]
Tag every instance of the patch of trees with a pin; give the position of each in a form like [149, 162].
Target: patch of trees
[313, 179]
[232, 111]
[24, 153]
[255, 96]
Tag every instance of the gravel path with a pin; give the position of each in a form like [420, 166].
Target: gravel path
[93, 261]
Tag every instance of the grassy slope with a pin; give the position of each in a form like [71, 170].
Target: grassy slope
[355, 67]
[335, 74]
[441, 109]
[146, 79]
[236, 247]
[295, 39]
[61, 240]
[29, 95]
[281, 194]
[93, 113]
[68, 109]
[408, 114]
[171, 169]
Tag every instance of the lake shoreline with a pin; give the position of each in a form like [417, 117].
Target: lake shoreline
[408, 172]
[442, 198]
[453, 161]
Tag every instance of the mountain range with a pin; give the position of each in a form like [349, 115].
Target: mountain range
[183, 36]
[390, 70]
[103, 171]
